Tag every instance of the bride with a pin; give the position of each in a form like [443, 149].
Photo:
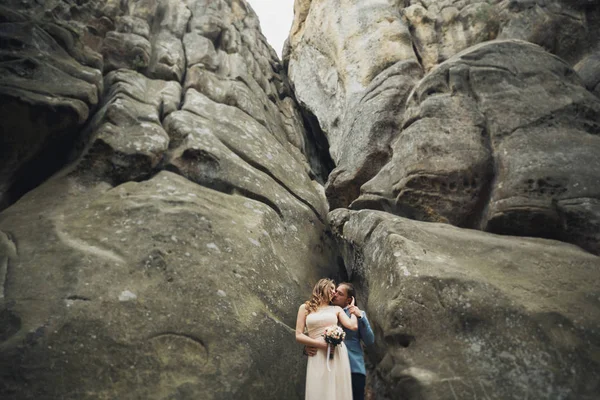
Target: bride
[323, 382]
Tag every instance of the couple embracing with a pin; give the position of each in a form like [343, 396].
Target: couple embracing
[342, 376]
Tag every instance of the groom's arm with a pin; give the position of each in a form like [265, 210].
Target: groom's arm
[366, 333]
[310, 351]
[364, 328]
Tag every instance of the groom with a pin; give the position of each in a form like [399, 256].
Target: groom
[343, 297]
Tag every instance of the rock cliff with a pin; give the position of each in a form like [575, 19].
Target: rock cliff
[170, 191]
[469, 116]
[175, 223]
[356, 74]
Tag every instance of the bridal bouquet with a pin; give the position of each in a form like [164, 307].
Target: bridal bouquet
[333, 335]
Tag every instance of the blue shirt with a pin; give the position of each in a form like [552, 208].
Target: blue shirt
[352, 341]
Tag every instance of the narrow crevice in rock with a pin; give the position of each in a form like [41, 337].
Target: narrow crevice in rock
[278, 321]
[185, 58]
[53, 156]
[317, 148]
[259, 198]
[8, 250]
[78, 298]
[416, 50]
[343, 271]
[4, 264]
[10, 323]
[372, 229]
[478, 219]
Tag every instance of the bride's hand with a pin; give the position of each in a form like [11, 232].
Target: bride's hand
[353, 309]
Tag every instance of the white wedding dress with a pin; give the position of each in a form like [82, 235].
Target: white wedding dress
[322, 384]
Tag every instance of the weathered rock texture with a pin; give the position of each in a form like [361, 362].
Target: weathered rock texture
[353, 64]
[168, 258]
[162, 215]
[461, 314]
[482, 115]
[502, 137]
[49, 86]
[443, 28]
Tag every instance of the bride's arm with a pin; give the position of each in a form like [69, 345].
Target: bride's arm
[350, 323]
[303, 338]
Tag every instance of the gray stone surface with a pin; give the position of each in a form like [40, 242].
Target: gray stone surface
[46, 96]
[159, 289]
[167, 258]
[443, 28]
[352, 66]
[339, 52]
[502, 137]
[125, 139]
[464, 314]
[589, 71]
[368, 130]
[163, 213]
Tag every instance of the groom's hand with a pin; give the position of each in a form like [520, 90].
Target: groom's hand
[310, 351]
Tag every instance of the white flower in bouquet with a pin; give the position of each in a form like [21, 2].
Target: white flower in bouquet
[334, 335]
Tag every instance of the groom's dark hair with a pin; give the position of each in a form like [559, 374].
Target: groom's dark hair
[350, 291]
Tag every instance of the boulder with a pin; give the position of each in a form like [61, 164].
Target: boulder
[159, 289]
[125, 139]
[502, 137]
[460, 313]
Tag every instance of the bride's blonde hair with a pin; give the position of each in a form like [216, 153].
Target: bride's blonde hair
[320, 295]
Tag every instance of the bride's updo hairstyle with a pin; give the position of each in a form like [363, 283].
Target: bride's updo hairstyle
[320, 295]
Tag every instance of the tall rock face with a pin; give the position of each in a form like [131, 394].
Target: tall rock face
[450, 122]
[167, 258]
[163, 213]
[457, 145]
[352, 65]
